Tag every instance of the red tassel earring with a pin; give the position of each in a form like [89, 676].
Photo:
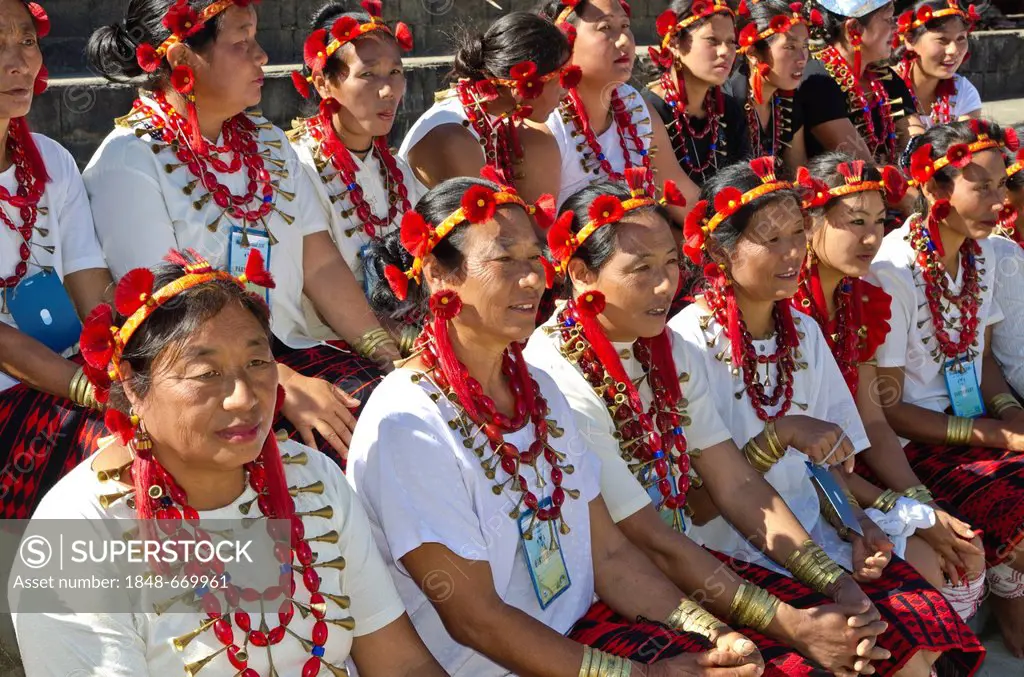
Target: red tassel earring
[444, 306]
[856, 40]
[760, 75]
[183, 80]
[936, 215]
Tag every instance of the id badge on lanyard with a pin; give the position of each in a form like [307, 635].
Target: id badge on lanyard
[42, 309]
[238, 254]
[543, 550]
[963, 387]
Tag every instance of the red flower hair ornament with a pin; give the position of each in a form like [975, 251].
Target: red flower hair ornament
[891, 185]
[923, 167]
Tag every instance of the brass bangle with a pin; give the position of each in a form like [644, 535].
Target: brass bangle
[588, 661]
[886, 501]
[368, 342]
[692, 617]
[774, 444]
[919, 493]
[958, 431]
[1002, 402]
[753, 607]
[813, 567]
[758, 457]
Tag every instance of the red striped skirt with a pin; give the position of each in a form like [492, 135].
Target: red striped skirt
[919, 618]
[984, 487]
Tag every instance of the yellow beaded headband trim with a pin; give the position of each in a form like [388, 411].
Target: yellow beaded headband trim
[745, 199]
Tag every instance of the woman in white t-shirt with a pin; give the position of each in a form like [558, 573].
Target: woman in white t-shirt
[52, 273]
[481, 492]
[191, 405]
[934, 35]
[1009, 288]
[848, 211]
[507, 81]
[765, 364]
[944, 391]
[358, 84]
[191, 167]
[603, 125]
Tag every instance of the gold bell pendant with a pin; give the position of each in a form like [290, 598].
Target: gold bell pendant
[192, 669]
[184, 640]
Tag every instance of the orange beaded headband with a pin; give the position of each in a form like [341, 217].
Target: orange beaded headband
[669, 23]
[910, 20]
[923, 168]
[604, 210]
[730, 200]
[749, 36]
[892, 184]
[1017, 165]
[183, 22]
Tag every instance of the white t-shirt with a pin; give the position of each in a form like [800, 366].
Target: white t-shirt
[621, 490]
[66, 226]
[347, 231]
[1007, 345]
[819, 391]
[141, 211]
[134, 644]
[447, 110]
[966, 100]
[894, 269]
[420, 484]
[578, 173]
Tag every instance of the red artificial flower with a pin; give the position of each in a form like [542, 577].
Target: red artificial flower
[256, 271]
[133, 291]
[661, 57]
[486, 91]
[373, 7]
[445, 304]
[42, 81]
[301, 84]
[561, 240]
[728, 200]
[780, 23]
[345, 29]
[40, 19]
[545, 211]
[478, 204]
[1010, 139]
[816, 18]
[763, 166]
[523, 71]
[528, 83]
[905, 21]
[416, 234]
[1007, 216]
[100, 380]
[181, 19]
[397, 280]
[921, 167]
[314, 51]
[742, 9]
[815, 192]
[119, 424]
[749, 35]
[959, 155]
[876, 304]
[489, 173]
[570, 33]
[403, 34]
[796, 7]
[701, 8]
[666, 21]
[895, 184]
[940, 210]
[605, 209]
[671, 195]
[147, 57]
[97, 341]
[549, 273]
[924, 14]
[591, 303]
[636, 179]
[972, 14]
[764, 70]
[328, 107]
[693, 232]
[978, 126]
[183, 80]
[570, 77]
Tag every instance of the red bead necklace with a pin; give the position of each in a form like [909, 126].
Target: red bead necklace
[239, 139]
[883, 138]
[333, 149]
[26, 201]
[169, 504]
[642, 447]
[575, 114]
[499, 135]
[942, 111]
[714, 111]
[844, 343]
[721, 300]
[754, 127]
[936, 288]
[530, 406]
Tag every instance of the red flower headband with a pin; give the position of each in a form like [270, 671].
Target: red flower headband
[910, 21]
[669, 23]
[923, 168]
[605, 210]
[699, 226]
[749, 36]
[317, 49]
[1018, 163]
[523, 79]
[892, 185]
[103, 343]
[183, 22]
[478, 205]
